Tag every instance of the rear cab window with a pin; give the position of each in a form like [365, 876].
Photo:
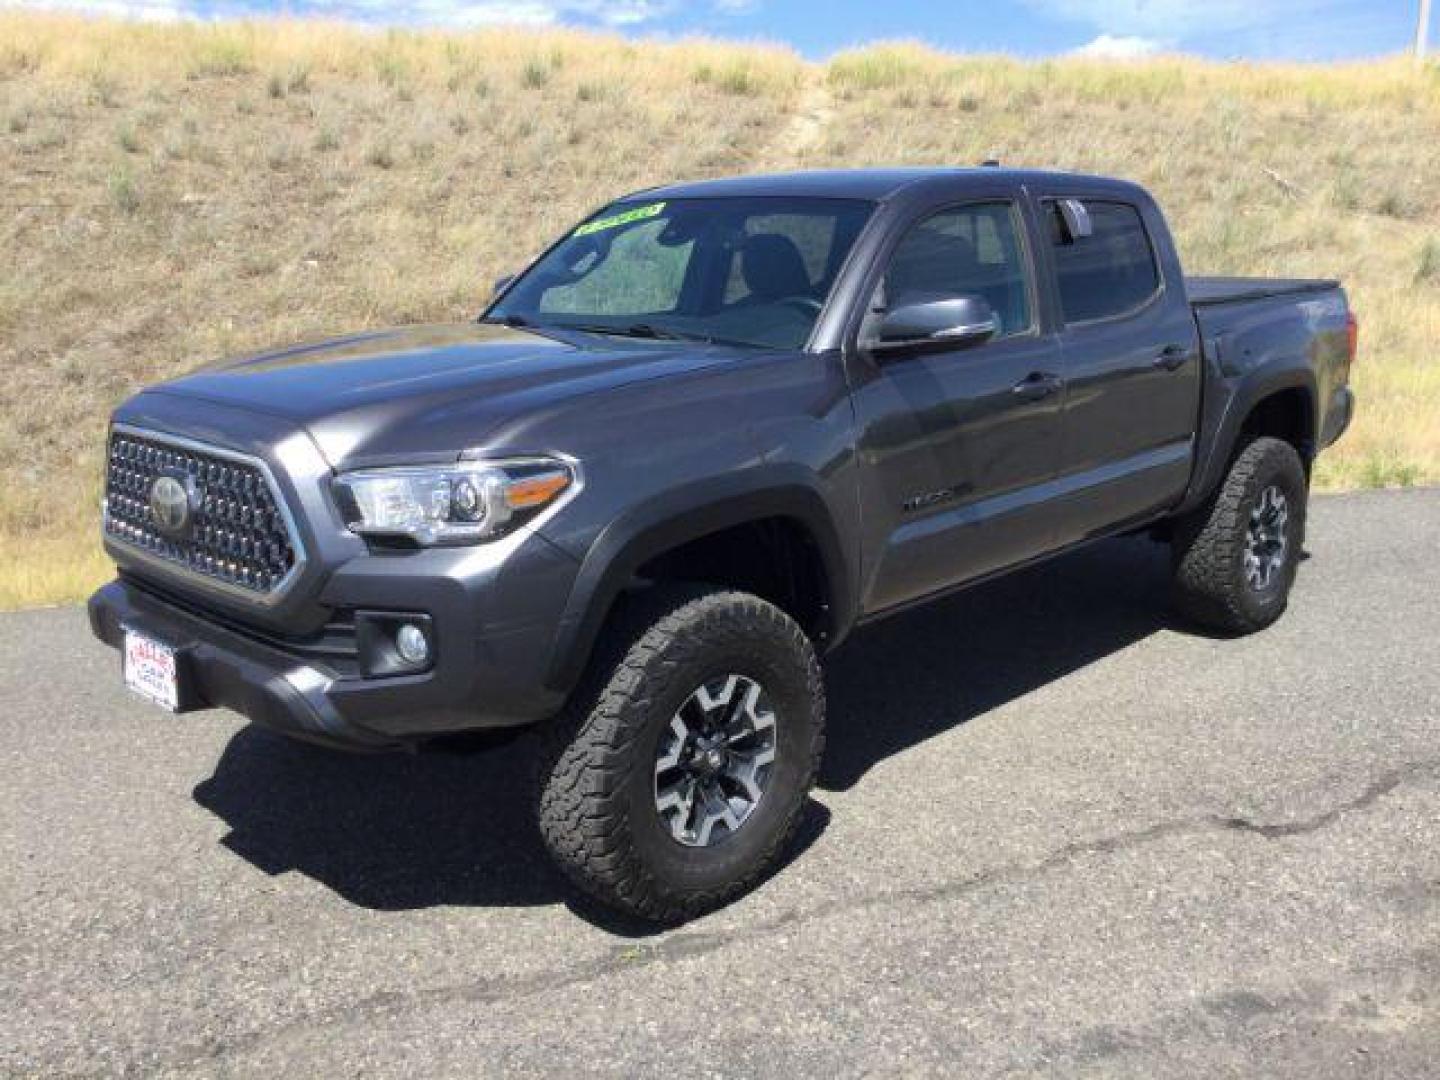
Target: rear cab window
[1108, 274]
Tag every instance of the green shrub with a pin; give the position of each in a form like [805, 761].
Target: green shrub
[381, 156]
[1427, 269]
[222, 54]
[124, 194]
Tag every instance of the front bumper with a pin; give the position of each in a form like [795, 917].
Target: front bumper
[308, 693]
[494, 608]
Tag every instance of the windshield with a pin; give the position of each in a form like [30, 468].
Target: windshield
[747, 271]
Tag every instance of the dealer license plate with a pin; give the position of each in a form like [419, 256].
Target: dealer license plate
[151, 671]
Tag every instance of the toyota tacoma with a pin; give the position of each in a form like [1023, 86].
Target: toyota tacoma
[700, 439]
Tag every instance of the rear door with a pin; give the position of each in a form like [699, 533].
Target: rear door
[956, 445]
[1131, 362]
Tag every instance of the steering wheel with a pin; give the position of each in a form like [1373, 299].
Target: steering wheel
[806, 305]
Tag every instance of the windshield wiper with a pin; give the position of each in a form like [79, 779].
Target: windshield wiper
[634, 330]
[647, 331]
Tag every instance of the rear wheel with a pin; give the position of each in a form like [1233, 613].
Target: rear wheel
[1235, 559]
[676, 778]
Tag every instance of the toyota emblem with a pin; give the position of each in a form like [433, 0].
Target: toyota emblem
[170, 505]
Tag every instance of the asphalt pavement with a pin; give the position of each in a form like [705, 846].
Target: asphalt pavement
[1057, 834]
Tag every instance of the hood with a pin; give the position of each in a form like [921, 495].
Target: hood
[426, 393]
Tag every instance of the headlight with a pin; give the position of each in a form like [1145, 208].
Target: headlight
[451, 504]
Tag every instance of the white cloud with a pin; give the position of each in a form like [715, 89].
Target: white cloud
[1165, 18]
[529, 12]
[502, 12]
[735, 7]
[457, 13]
[1289, 27]
[619, 12]
[1119, 47]
[142, 10]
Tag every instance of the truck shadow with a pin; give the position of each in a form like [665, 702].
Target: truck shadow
[394, 832]
[902, 680]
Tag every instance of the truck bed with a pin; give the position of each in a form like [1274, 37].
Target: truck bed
[1224, 290]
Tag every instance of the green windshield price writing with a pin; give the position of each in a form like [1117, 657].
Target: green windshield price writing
[640, 213]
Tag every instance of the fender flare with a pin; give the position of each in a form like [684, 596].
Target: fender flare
[1218, 445]
[678, 517]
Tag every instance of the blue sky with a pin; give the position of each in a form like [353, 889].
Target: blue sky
[1257, 29]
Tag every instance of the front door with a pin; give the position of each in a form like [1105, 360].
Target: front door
[956, 445]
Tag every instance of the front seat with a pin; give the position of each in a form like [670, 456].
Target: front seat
[773, 268]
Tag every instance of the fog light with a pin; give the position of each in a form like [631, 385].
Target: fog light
[394, 643]
[412, 644]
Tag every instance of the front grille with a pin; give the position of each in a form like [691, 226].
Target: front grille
[236, 535]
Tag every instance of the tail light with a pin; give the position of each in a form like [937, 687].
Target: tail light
[1352, 334]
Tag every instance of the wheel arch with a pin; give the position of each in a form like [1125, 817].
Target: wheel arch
[1279, 402]
[679, 519]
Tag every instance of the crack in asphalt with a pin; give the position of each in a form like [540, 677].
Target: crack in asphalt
[1376, 789]
[690, 944]
[1359, 998]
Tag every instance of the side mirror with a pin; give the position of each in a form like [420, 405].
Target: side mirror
[951, 322]
[501, 284]
[1076, 220]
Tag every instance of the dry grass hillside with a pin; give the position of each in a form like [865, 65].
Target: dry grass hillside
[175, 193]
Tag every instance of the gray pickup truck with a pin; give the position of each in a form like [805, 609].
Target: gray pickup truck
[699, 440]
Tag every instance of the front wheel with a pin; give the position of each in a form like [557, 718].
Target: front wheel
[1235, 559]
[676, 778]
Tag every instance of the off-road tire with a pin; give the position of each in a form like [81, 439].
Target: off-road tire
[1210, 584]
[596, 797]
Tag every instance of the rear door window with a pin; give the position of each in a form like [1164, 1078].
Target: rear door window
[1109, 273]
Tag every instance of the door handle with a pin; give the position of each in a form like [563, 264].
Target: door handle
[1037, 385]
[1172, 357]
